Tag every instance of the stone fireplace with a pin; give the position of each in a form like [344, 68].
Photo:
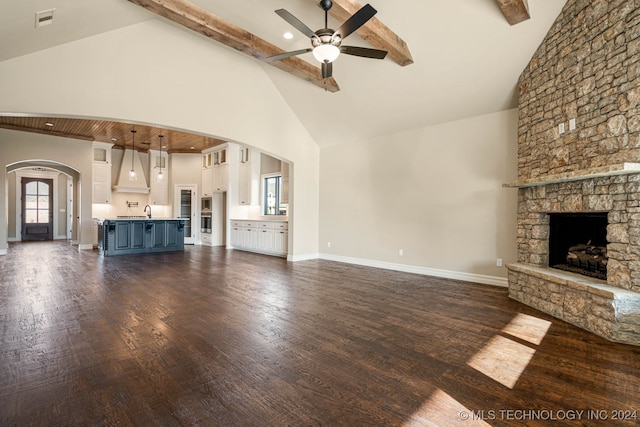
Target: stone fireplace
[609, 308]
[579, 171]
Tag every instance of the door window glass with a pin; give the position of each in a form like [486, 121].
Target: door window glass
[37, 202]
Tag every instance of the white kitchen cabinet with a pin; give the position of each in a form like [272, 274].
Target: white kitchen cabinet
[207, 160]
[266, 240]
[284, 185]
[219, 156]
[207, 182]
[249, 177]
[159, 194]
[266, 237]
[280, 241]
[220, 178]
[205, 239]
[244, 184]
[101, 177]
[236, 236]
[215, 170]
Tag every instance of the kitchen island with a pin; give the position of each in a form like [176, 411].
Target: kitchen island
[122, 236]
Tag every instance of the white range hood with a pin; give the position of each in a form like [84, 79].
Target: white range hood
[124, 185]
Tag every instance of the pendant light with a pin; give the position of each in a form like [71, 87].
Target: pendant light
[160, 175]
[132, 173]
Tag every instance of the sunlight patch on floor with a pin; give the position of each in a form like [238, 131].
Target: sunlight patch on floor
[503, 360]
[443, 410]
[528, 328]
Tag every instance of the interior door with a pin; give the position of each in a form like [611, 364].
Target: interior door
[185, 208]
[37, 209]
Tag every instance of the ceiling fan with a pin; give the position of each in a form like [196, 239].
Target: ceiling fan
[327, 43]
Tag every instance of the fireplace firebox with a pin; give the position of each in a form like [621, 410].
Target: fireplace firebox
[578, 243]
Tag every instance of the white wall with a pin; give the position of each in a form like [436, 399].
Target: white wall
[155, 73]
[434, 192]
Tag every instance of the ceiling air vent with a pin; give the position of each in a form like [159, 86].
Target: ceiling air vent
[44, 17]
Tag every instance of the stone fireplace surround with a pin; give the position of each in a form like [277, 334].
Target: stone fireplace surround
[608, 308]
[584, 77]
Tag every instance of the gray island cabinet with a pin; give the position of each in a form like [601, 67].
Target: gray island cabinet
[123, 236]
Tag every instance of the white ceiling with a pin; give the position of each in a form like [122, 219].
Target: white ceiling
[467, 58]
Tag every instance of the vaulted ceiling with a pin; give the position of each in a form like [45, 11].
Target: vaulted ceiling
[466, 55]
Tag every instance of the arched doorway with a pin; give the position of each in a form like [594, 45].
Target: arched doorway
[42, 201]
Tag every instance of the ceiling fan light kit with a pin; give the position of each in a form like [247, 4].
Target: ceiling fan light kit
[327, 43]
[326, 53]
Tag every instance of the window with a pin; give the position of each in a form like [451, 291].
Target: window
[271, 191]
[36, 207]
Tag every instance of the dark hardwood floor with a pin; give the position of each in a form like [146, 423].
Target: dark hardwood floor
[228, 338]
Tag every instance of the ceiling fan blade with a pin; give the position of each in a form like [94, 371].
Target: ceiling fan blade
[364, 52]
[296, 23]
[327, 69]
[288, 54]
[356, 21]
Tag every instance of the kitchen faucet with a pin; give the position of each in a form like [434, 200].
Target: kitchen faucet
[145, 211]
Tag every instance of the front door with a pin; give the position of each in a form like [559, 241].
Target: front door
[37, 209]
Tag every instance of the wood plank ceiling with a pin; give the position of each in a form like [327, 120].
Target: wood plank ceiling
[117, 133]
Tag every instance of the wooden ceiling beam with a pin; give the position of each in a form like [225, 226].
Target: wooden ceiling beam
[516, 11]
[377, 34]
[189, 15]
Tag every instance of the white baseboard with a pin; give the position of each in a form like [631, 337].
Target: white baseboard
[447, 274]
[3, 251]
[305, 257]
[85, 247]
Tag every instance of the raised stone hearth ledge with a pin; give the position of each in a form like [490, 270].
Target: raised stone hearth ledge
[611, 170]
[610, 312]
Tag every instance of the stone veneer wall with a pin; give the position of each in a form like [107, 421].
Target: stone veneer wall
[587, 68]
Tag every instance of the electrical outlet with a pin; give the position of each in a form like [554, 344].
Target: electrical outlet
[328, 244]
[561, 128]
[401, 252]
[572, 124]
[499, 262]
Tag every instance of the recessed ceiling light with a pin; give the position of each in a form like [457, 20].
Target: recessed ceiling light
[49, 124]
[193, 148]
[287, 35]
[114, 139]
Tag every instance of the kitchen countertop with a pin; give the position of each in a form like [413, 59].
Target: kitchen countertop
[262, 219]
[129, 218]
